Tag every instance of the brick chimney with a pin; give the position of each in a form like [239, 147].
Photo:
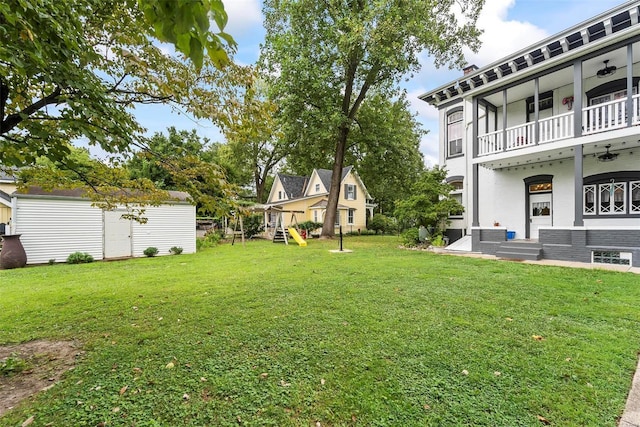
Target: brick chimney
[469, 69]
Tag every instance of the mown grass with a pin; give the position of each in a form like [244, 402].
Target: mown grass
[268, 334]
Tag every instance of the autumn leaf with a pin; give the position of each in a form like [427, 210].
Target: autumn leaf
[537, 337]
[543, 420]
[123, 390]
[170, 365]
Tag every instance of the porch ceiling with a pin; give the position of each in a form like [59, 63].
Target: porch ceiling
[543, 154]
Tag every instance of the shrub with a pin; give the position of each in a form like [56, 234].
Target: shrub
[210, 239]
[380, 223]
[79, 258]
[309, 226]
[151, 251]
[253, 224]
[175, 250]
[410, 237]
[437, 240]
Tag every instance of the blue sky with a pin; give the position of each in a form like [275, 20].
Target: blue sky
[509, 25]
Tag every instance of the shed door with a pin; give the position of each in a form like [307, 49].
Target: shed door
[117, 235]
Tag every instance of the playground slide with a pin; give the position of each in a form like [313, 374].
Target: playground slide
[297, 237]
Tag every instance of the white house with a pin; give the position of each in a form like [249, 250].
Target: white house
[55, 224]
[545, 143]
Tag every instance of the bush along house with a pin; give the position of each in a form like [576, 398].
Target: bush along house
[543, 146]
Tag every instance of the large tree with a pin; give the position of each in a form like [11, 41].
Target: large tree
[328, 55]
[74, 70]
[384, 147]
[252, 129]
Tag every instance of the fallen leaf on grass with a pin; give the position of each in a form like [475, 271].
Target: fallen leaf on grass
[509, 319]
[426, 407]
[465, 372]
[264, 375]
[538, 337]
[28, 421]
[284, 384]
[170, 365]
[322, 381]
[497, 373]
[123, 390]
[185, 396]
[543, 420]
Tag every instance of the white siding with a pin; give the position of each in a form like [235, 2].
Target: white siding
[167, 226]
[53, 229]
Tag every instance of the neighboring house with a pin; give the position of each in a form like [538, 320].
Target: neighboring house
[302, 198]
[55, 224]
[545, 143]
[7, 186]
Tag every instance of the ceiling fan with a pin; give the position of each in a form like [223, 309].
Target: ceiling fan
[607, 156]
[607, 70]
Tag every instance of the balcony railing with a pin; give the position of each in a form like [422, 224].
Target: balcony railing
[596, 118]
[551, 129]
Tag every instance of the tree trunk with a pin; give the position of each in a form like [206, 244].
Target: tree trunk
[328, 227]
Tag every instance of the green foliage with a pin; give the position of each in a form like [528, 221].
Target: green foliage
[75, 70]
[381, 223]
[12, 365]
[437, 240]
[253, 225]
[185, 23]
[309, 225]
[79, 258]
[175, 250]
[430, 204]
[151, 251]
[183, 161]
[410, 237]
[210, 239]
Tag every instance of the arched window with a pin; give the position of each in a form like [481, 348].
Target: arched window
[455, 132]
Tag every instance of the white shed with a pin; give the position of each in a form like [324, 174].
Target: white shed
[55, 224]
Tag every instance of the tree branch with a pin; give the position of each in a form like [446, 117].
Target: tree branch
[13, 120]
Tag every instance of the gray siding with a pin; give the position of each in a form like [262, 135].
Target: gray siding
[53, 229]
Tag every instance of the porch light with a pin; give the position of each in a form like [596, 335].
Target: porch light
[606, 71]
[607, 156]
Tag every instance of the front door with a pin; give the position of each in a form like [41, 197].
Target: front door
[539, 213]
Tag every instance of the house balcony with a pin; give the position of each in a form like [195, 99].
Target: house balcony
[603, 117]
[574, 104]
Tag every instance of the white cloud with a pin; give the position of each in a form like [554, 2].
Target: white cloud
[502, 36]
[244, 15]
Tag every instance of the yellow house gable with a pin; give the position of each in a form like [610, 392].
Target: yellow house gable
[316, 186]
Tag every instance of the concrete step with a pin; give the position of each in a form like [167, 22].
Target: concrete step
[520, 250]
[529, 255]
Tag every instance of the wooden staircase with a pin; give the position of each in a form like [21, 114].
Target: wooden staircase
[520, 250]
[279, 236]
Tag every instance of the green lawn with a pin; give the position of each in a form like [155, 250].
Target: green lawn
[267, 334]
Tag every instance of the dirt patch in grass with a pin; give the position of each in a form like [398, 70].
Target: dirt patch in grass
[26, 369]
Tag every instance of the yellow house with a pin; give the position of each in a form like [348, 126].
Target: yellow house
[301, 198]
[7, 186]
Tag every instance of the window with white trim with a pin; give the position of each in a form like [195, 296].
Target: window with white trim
[613, 198]
[455, 130]
[351, 216]
[351, 192]
[315, 215]
[589, 200]
[634, 197]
